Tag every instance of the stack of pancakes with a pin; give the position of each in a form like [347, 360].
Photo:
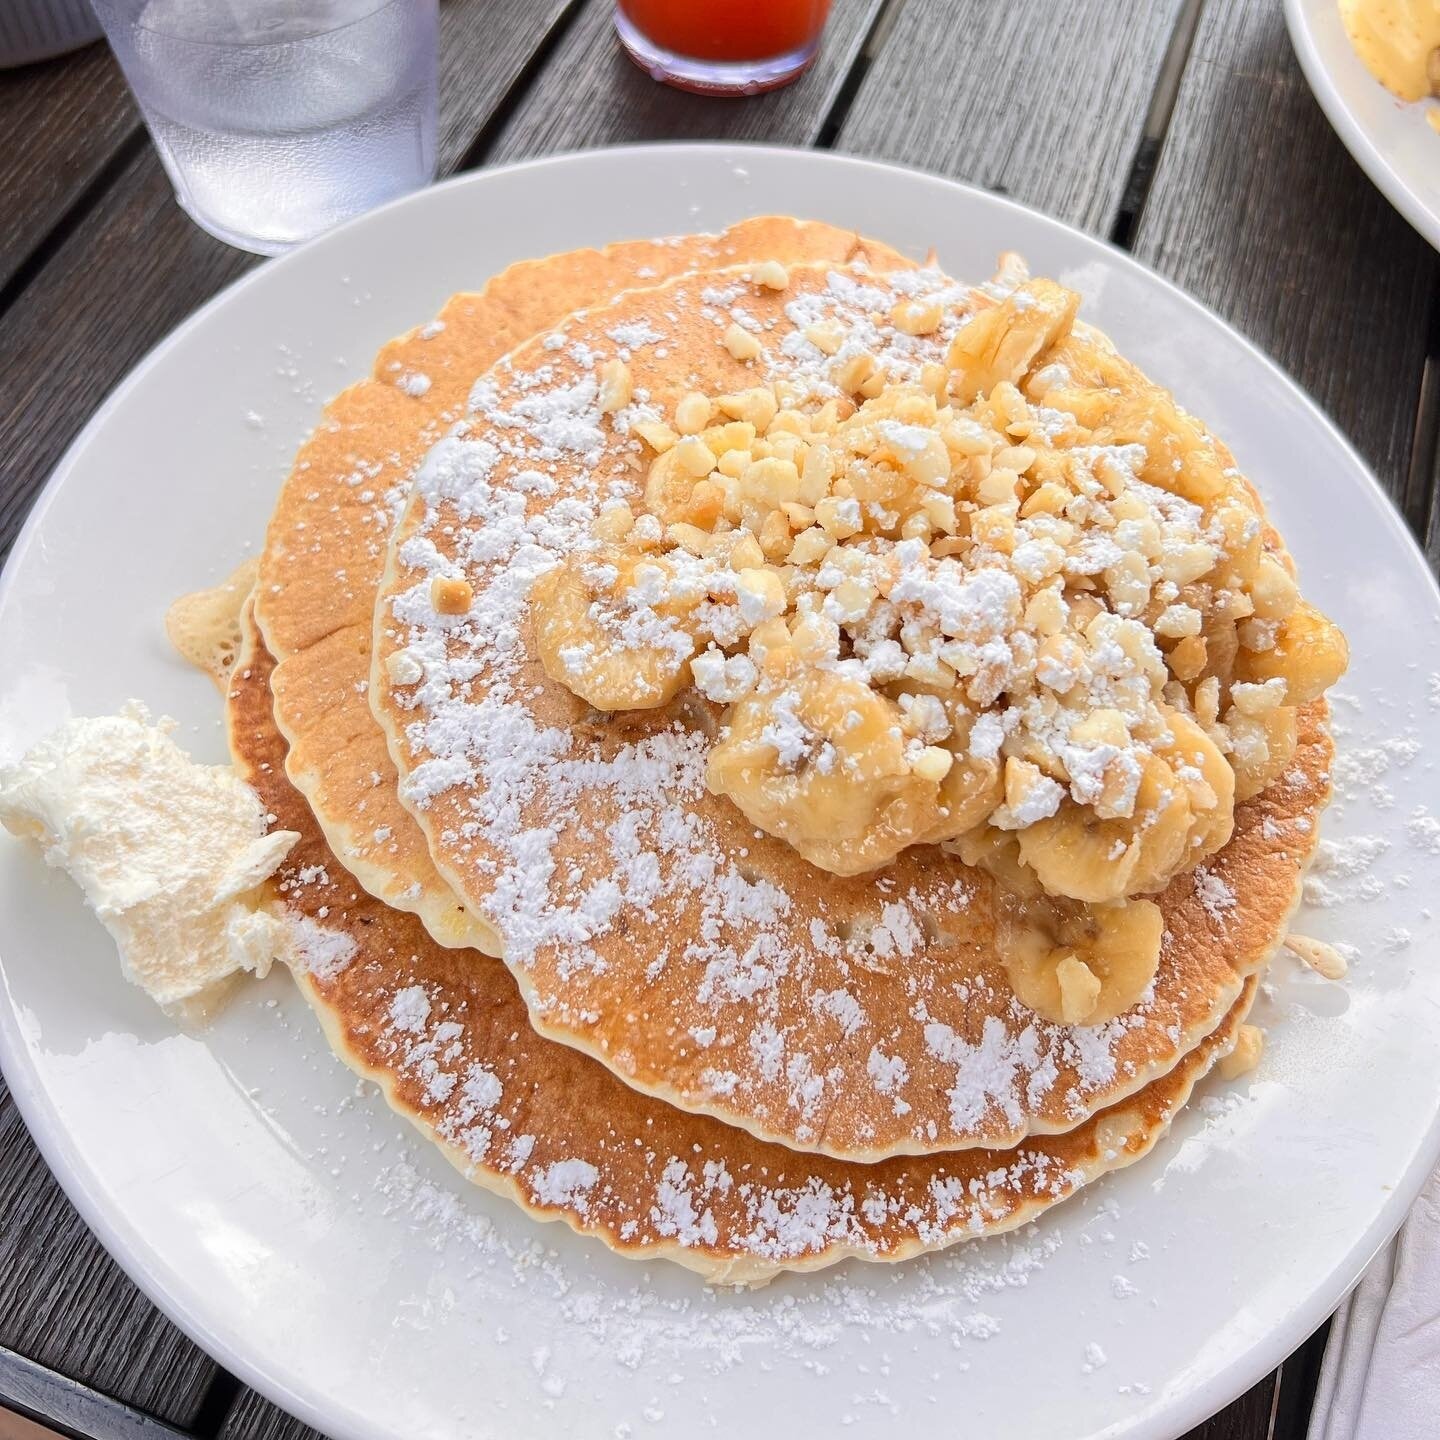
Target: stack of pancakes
[593, 983]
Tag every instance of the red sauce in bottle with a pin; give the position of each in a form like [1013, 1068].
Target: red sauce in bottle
[728, 30]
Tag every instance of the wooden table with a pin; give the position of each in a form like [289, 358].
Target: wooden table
[1180, 129]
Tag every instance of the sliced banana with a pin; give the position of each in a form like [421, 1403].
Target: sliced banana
[972, 786]
[1310, 654]
[1179, 455]
[596, 636]
[1261, 748]
[1003, 342]
[1200, 766]
[820, 761]
[1079, 965]
[1080, 856]
[970, 790]
[997, 852]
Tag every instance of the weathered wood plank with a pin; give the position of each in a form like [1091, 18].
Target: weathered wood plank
[1297, 1379]
[1257, 209]
[116, 286]
[61, 124]
[486, 48]
[590, 94]
[80, 1410]
[1042, 102]
[137, 266]
[1431, 533]
[252, 1418]
[1247, 1418]
[65, 1304]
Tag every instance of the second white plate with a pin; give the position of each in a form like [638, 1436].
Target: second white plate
[301, 1233]
[1393, 142]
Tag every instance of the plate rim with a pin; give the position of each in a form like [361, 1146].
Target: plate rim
[144, 1264]
[1353, 135]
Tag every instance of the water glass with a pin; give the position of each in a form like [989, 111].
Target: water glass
[722, 47]
[277, 119]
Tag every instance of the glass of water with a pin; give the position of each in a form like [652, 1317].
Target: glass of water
[277, 119]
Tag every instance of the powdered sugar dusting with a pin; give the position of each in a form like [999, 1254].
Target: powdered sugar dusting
[569, 836]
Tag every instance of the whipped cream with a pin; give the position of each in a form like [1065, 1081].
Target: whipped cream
[170, 854]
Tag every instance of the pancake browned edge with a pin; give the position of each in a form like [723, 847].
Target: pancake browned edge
[325, 546]
[646, 919]
[444, 1034]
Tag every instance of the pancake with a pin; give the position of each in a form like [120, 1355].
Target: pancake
[648, 922]
[325, 547]
[444, 1035]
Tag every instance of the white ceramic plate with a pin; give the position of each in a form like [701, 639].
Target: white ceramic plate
[1392, 141]
[294, 1227]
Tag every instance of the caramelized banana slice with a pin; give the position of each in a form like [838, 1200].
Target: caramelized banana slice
[820, 761]
[970, 790]
[1261, 748]
[1004, 342]
[1310, 655]
[972, 786]
[678, 488]
[1179, 455]
[1209, 781]
[601, 632]
[997, 852]
[1079, 965]
[1078, 855]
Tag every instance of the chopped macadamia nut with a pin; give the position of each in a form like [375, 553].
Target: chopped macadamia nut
[692, 414]
[451, 596]
[771, 274]
[741, 344]
[615, 386]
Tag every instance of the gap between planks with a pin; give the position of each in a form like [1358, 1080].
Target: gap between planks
[80, 209]
[875, 37]
[478, 151]
[1421, 500]
[1157, 122]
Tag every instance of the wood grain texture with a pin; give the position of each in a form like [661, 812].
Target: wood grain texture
[137, 266]
[253, 1418]
[1431, 533]
[1257, 210]
[61, 123]
[486, 49]
[1247, 1418]
[1042, 102]
[65, 1304]
[74, 1408]
[111, 291]
[591, 94]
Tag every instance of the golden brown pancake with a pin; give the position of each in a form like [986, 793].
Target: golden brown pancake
[325, 547]
[444, 1033]
[647, 922]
